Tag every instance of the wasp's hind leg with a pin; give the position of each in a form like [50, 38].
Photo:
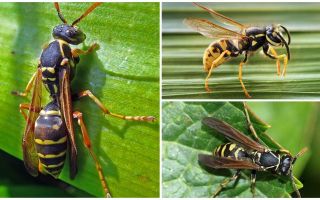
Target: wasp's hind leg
[87, 144]
[106, 111]
[26, 106]
[253, 182]
[225, 182]
[240, 76]
[213, 65]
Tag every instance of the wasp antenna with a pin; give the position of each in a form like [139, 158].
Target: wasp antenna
[288, 34]
[89, 10]
[56, 5]
[285, 44]
[304, 150]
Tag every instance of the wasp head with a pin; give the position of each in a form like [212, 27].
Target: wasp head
[285, 166]
[287, 161]
[70, 34]
[274, 35]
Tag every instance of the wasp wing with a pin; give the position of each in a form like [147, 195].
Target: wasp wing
[211, 30]
[226, 163]
[30, 156]
[66, 109]
[221, 18]
[233, 134]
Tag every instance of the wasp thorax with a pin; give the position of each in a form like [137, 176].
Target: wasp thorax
[70, 34]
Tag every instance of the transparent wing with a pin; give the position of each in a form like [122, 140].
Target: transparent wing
[66, 109]
[233, 134]
[226, 163]
[210, 30]
[30, 156]
[221, 18]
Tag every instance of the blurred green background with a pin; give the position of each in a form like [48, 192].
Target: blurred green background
[123, 74]
[182, 51]
[294, 125]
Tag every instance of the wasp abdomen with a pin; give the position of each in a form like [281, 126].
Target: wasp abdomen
[215, 49]
[51, 140]
[230, 150]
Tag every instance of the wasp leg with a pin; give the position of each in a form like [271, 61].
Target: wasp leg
[26, 106]
[225, 182]
[253, 131]
[213, 65]
[240, 76]
[253, 182]
[106, 111]
[78, 52]
[87, 144]
[28, 88]
[294, 186]
[274, 55]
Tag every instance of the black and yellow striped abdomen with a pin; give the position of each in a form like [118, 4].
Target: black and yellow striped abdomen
[230, 150]
[215, 49]
[51, 140]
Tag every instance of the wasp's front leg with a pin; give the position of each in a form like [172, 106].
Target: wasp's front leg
[77, 52]
[267, 49]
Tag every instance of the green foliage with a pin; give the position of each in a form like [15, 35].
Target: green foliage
[184, 137]
[183, 75]
[123, 74]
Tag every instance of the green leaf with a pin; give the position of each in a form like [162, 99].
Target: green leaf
[123, 74]
[184, 137]
[183, 74]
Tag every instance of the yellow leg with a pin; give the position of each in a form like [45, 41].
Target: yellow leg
[106, 111]
[213, 65]
[87, 144]
[78, 52]
[278, 57]
[26, 106]
[241, 82]
[253, 131]
[225, 182]
[28, 88]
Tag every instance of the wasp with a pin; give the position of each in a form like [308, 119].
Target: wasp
[49, 131]
[243, 40]
[243, 152]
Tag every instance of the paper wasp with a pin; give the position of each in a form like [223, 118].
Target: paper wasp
[243, 152]
[49, 131]
[245, 40]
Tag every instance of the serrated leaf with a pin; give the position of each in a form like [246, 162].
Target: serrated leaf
[184, 138]
[123, 74]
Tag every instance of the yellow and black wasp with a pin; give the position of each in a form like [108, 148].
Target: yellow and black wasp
[244, 40]
[243, 152]
[49, 130]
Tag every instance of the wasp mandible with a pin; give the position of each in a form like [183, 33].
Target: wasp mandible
[245, 40]
[243, 152]
[49, 129]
